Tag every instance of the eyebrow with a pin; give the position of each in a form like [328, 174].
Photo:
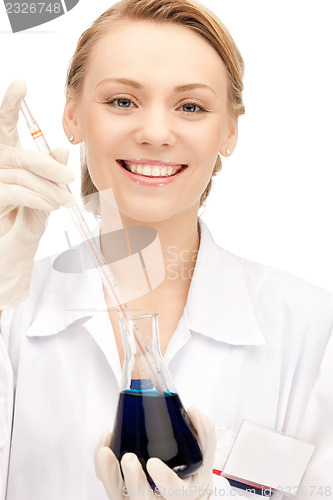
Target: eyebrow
[137, 85]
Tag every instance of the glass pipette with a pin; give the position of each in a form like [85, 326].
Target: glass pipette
[108, 280]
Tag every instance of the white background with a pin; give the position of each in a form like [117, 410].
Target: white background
[273, 201]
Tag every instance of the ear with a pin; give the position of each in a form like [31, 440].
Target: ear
[230, 140]
[70, 121]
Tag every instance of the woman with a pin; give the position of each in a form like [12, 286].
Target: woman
[154, 91]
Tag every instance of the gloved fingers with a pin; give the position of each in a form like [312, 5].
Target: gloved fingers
[21, 188]
[166, 480]
[60, 155]
[17, 177]
[197, 485]
[108, 471]
[205, 430]
[104, 440]
[38, 163]
[9, 112]
[31, 199]
[171, 486]
[7, 212]
[136, 483]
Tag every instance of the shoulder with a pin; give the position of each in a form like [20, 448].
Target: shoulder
[284, 304]
[280, 292]
[263, 280]
[40, 279]
[295, 316]
[47, 282]
[283, 288]
[16, 321]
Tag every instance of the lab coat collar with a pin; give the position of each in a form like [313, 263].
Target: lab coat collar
[219, 304]
[70, 297]
[73, 297]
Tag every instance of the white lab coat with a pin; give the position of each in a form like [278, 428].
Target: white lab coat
[250, 345]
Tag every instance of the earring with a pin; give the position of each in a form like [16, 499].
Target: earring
[229, 151]
[71, 137]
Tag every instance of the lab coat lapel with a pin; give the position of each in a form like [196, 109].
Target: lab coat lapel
[100, 328]
[219, 304]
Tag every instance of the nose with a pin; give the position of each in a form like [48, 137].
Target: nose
[155, 128]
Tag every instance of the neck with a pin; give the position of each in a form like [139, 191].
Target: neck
[179, 243]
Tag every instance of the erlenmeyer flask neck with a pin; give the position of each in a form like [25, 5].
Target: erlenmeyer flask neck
[144, 368]
[140, 332]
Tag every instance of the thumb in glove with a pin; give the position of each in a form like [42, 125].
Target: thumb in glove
[9, 112]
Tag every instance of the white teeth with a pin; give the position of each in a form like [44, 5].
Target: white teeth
[156, 172]
[152, 170]
[146, 170]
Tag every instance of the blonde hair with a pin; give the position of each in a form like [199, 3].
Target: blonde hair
[185, 12]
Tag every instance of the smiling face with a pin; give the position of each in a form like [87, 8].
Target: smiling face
[153, 115]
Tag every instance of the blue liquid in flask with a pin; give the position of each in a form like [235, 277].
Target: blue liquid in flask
[153, 425]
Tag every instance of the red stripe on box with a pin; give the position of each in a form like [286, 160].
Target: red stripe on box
[247, 483]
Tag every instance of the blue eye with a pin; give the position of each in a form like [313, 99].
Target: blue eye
[191, 108]
[122, 102]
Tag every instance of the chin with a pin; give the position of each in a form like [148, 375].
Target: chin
[146, 212]
[144, 216]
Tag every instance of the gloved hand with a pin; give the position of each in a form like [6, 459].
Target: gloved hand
[108, 471]
[28, 192]
[169, 483]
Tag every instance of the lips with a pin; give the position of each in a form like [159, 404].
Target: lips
[151, 168]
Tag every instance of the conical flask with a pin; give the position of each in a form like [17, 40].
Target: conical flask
[151, 420]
